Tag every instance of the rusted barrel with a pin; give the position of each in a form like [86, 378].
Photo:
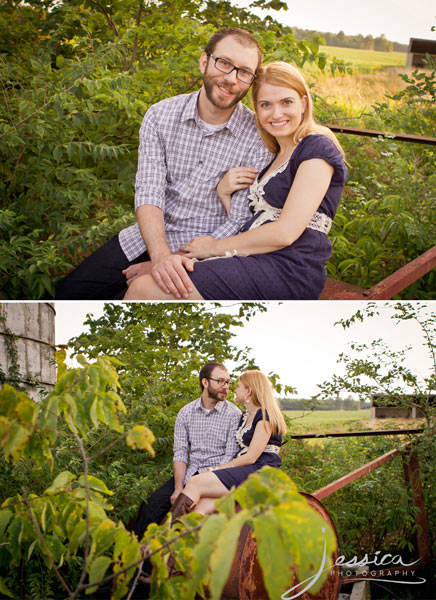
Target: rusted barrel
[245, 581]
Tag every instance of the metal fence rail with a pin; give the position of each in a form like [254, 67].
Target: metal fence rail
[412, 477]
[400, 137]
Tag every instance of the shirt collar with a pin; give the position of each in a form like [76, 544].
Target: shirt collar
[234, 124]
[219, 406]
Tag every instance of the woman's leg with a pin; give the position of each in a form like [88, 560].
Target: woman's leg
[145, 288]
[205, 506]
[205, 485]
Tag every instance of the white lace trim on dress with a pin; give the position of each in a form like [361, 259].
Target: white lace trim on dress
[319, 222]
[244, 448]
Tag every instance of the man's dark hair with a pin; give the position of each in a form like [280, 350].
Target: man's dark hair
[244, 37]
[207, 369]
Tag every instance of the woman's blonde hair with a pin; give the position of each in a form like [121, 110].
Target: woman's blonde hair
[262, 395]
[286, 75]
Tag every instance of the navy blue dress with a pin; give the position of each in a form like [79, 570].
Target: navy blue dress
[296, 272]
[234, 476]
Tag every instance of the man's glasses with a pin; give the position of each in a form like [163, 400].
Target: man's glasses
[221, 382]
[227, 67]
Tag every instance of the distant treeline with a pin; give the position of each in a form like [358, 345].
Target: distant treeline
[364, 42]
[330, 404]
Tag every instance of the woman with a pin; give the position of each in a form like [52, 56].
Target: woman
[259, 437]
[281, 252]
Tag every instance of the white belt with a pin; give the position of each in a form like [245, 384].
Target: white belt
[272, 448]
[320, 222]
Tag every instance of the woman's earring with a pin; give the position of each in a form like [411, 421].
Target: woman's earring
[247, 399]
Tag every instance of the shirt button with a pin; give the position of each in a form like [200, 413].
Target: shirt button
[200, 162]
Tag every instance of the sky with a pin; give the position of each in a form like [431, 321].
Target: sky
[297, 340]
[399, 20]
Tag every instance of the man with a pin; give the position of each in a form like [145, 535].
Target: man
[187, 144]
[204, 436]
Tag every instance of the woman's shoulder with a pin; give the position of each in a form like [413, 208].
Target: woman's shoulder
[259, 416]
[318, 145]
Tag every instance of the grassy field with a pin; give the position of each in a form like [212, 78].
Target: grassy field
[374, 75]
[320, 421]
[369, 59]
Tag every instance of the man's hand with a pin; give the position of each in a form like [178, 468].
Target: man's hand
[177, 491]
[134, 271]
[169, 272]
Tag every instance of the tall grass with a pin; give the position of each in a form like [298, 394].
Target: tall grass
[354, 95]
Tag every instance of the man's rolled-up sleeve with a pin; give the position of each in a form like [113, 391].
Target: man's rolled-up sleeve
[151, 174]
[232, 446]
[181, 440]
[240, 211]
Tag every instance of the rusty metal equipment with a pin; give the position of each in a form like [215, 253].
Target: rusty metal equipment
[245, 581]
[406, 275]
[387, 288]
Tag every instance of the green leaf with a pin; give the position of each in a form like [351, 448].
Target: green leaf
[141, 438]
[97, 571]
[61, 482]
[16, 441]
[103, 537]
[275, 557]
[31, 547]
[5, 517]
[122, 538]
[310, 538]
[4, 590]
[202, 551]
[130, 554]
[223, 553]
[95, 484]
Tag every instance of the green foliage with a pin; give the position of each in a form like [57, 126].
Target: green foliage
[387, 214]
[161, 348]
[68, 524]
[386, 218]
[362, 530]
[76, 79]
[375, 369]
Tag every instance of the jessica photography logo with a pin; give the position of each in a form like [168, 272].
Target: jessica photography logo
[387, 568]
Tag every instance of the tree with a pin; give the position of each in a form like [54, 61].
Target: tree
[76, 79]
[68, 529]
[161, 348]
[382, 44]
[377, 369]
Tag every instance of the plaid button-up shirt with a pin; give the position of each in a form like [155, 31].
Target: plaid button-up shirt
[206, 438]
[180, 163]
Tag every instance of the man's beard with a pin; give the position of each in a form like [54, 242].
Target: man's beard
[214, 395]
[209, 83]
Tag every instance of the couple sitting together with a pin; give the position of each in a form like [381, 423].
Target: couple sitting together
[229, 205]
[215, 446]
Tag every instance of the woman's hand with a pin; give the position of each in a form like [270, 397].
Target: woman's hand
[200, 247]
[235, 179]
